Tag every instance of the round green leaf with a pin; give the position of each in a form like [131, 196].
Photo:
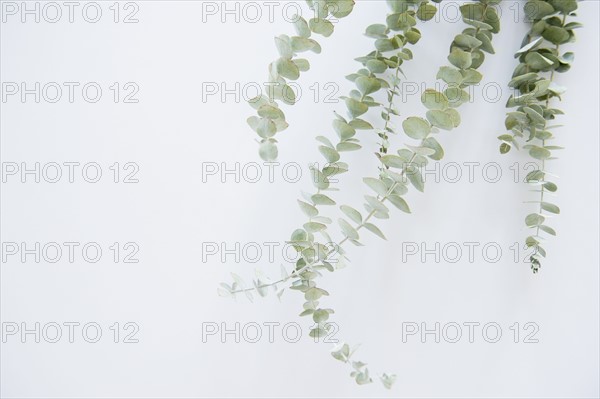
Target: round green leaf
[416, 128]
[460, 58]
[440, 119]
[321, 26]
[367, 84]
[434, 99]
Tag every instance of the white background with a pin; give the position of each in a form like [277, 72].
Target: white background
[171, 292]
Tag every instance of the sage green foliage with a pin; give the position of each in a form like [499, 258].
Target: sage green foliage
[401, 170]
[380, 71]
[390, 42]
[531, 112]
[288, 67]
[380, 76]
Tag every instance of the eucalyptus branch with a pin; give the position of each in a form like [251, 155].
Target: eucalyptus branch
[533, 82]
[381, 71]
[466, 56]
[314, 255]
[271, 119]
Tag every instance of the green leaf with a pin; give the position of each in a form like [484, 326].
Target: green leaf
[321, 199]
[432, 143]
[258, 101]
[308, 209]
[343, 130]
[413, 35]
[347, 146]
[385, 45]
[314, 227]
[460, 58]
[471, 76]
[377, 31]
[548, 207]
[270, 112]
[335, 169]
[421, 150]
[534, 116]
[454, 115]
[556, 34]
[492, 18]
[299, 235]
[440, 119]
[399, 203]
[467, 41]
[537, 9]
[393, 161]
[399, 6]
[550, 187]
[376, 185]
[477, 24]
[416, 128]
[342, 353]
[564, 6]
[456, 96]
[355, 107]
[268, 151]
[388, 380]
[319, 179]
[535, 176]
[314, 294]
[548, 230]
[302, 44]
[265, 128]
[320, 316]
[360, 124]
[376, 204]
[286, 94]
[531, 45]
[377, 66]
[375, 230]
[348, 230]
[302, 64]
[283, 46]
[477, 57]
[539, 153]
[352, 213]
[330, 154]
[450, 75]
[341, 8]
[504, 148]
[302, 27]
[321, 26]
[531, 242]
[416, 179]
[367, 85]
[363, 378]
[434, 99]
[486, 43]
[401, 21]
[287, 69]
[534, 219]
[426, 11]
[325, 140]
[521, 79]
[537, 61]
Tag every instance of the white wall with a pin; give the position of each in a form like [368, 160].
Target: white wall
[170, 293]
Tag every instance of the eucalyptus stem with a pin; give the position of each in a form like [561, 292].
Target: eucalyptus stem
[271, 119]
[532, 102]
[466, 55]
